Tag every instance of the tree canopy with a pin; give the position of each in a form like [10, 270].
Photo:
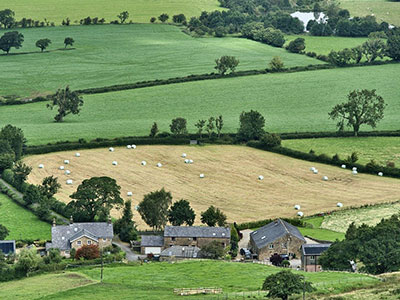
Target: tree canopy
[12, 39]
[15, 137]
[213, 216]
[42, 44]
[68, 41]
[225, 63]
[68, 102]
[154, 208]
[7, 18]
[180, 213]
[251, 126]
[178, 126]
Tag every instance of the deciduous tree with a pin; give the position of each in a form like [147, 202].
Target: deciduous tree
[42, 44]
[163, 17]
[15, 137]
[200, 125]
[68, 41]
[154, 208]
[123, 16]
[180, 213]
[225, 63]
[213, 216]
[68, 102]
[7, 18]
[219, 124]
[154, 130]
[251, 126]
[12, 39]
[50, 186]
[178, 126]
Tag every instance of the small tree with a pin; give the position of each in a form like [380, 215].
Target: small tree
[68, 102]
[225, 63]
[200, 125]
[68, 41]
[32, 194]
[296, 46]
[28, 260]
[219, 123]
[21, 172]
[362, 107]
[212, 250]
[180, 213]
[7, 18]
[12, 39]
[15, 138]
[284, 284]
[373, 48]
[154, 208]
[393, 44]
[210, 126]
[276, 64]
[123, 16]
[43, 44]
[125, 227]
[251, 126]
[154, 130]
[213, 216]
[153, 19]
[50, 186]
[179, 18]
[7, 156]
[178, 126]
[270, 140]
[88, 252]
[3, 232]
[163, 17]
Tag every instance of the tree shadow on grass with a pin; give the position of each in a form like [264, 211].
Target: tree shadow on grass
[37, 52]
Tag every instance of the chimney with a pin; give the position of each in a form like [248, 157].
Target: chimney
[109, 220]
[71, 220]
[54, 222]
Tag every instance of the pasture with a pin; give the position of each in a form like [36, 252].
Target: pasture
[114, 54]
[22, 223]
[319, 233]
[231, 179]
[289, 102]
[140, 10]
[380, 149]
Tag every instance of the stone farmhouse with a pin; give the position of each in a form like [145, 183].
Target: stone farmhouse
[310, 255]
[276, 237]
[75, 235]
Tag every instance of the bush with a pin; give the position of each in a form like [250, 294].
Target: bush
[213, 250]
[8, 176]
[88, 252]
[270, 140]
[296, 46]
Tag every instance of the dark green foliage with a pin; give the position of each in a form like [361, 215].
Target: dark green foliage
[373, 48]
[213, 216]
[125, 227]
[123, 16]
[251, 126]
[200, 125]
[32, 194]
[234, 241]
[50, 186]
[179, 18]
[94, 199]
[7, 156]
[210, 126]
[153, 19]
[321, 29]
[154, 130]
[7, 19]
[296, 46]
[178, 126]
[43, 44]
[154, 208]
[225, 63]
[53, 256]
[3, 232]
[256, 31]
[220, 31]
[163, 17]
[15, 138]
[270, 140]
[276, 64]
[362, 107]
[21, 172]
[393, 44]
[12, 39]
[68, 102]
[68, 41]
[356, 27]
[284, 284]
[343, 57]
[219, 124]
[181, 213]
[213, 250]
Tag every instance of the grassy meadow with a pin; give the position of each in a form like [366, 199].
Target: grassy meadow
[139, 10]
[289, 102]
[319, 233]
[22, 223]
[231, 179]
[380, 149]
[114, 54]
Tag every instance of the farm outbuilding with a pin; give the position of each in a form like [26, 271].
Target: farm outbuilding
[151, 244]
[310, 254]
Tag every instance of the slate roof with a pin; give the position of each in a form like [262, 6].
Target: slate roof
[181, 251]
[7, 247]
[152, 241]
[81, 233]
[272, 231]
[197, 231]
[61, 236]
[314, 249]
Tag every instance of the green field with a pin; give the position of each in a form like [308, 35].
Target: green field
[381, 149]
[139, 10]
[114, 54]
[325, 234]
[21, 223]
[325, 44]
[289, 102]
[157, 281]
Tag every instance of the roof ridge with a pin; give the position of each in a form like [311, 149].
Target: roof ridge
[284, 225]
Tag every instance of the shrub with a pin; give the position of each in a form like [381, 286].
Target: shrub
[88, 252]
[296, 46]
[8, 176]
[276, 64]
[213, 250]
[270, 140]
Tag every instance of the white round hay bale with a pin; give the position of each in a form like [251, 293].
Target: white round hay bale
[354, 172]
[114, 163]
[133, 146]
[159, 165]
[183, 155]
[300, 213]
[343, 166]
[41, 166]
[190, 161]
[312, 169]
[67, 172]
[339, 204]
[61, 167]
[325, 178]
[66, 162]
[129, 194]
[380, 174]
[69, 181]
[129, 147]
[111, 149]
[354, 169]
[144, 163]
[201, 175]
[315, 171]
[297, 207]
[187, 161]
[260, 177]
[77, 154]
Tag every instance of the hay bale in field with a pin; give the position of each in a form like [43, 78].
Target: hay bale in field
[61, 167]
[41, 166]
[111, 149]
[190, 161]
[343, 166]
[66, 162]
[69, 181]
[260, 177]
[129, 194]
[114, 163]
[77, 154]
[300, 213]
[297, 207]
[380, 174]
[201, 175]
[133, 146]
[339, 204]
[159, 165]
[354, 169]
[315, 171]
[312, 169]
[183, 155]
[129, 147]
[67, 172]
[354, 172]
[144, 163]
[187, 161]
[325, 178]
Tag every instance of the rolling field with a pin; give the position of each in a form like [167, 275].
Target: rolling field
[111, 54]
[381, 149]
[325, 44]
[22, 223]
[139, 10]
[157, 281]
[231, 179]
[289, 102]
[319, 233]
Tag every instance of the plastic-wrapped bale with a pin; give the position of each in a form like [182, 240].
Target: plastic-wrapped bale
[315, 171]
[183, 155]
[129, 147]
[354, 169]
[77, 154]
[343, 166]
[69, 181]
[201, 175]
[66, 162]
[312, 169]
[297, 207]
[325, 178]
[300, 213]
[339, 204]
[61, 167]
[129, 194]
[114, 163]
[111, 149]
[260, 177]
[159, 165]
[380, 174]
[354, 172]
[144, 163]
[190, 161]
[67, 172]
[133, 146]
[187, 161]
[41, 166]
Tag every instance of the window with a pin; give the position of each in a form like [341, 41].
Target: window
[195, 239]
[89, 242]
[79, 243]
[173, 239]
[284, 245]
[271, 246]
[312, 257]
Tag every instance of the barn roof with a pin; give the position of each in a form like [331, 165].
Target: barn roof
[181, 251]
[152, 241]
[314, 249]
[272, 231]
[197, 231]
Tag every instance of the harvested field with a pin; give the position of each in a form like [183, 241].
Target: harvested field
[231, 179]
